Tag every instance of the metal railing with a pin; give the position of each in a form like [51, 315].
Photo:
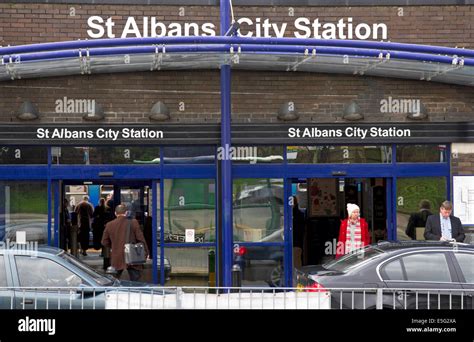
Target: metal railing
[96, 298]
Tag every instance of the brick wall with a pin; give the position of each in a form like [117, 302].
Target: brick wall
[128, 97]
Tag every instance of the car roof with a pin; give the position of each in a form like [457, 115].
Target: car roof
[30, 249]
[394, 246]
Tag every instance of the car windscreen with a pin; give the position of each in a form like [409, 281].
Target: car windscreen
[351, 260]
[99, 278]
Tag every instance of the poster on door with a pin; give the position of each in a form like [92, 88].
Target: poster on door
[323, 197]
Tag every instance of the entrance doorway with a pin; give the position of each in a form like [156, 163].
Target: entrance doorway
[102, 198]
[323, 201]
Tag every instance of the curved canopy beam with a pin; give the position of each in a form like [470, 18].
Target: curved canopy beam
[384, 59]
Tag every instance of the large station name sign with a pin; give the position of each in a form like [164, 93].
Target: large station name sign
[242, 134]
[302, 27]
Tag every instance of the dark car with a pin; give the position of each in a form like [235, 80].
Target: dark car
[49, 278]
[411, 275]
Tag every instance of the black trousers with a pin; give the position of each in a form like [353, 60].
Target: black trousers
[132, 272]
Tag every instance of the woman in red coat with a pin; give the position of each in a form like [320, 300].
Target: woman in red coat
[353, 233]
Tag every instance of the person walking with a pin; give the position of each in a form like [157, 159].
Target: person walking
[353, 232]
[85, 211]
[98, 225]
[115, 237]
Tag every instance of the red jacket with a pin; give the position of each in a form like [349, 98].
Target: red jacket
[341, 244]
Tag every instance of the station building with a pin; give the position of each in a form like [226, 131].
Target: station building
[207, 141]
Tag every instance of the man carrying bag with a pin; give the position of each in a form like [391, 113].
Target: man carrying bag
[128, 246]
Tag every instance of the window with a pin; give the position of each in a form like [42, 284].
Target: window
[352, 260]
[98, 155]
[339, 154]
[41, 272]
[3, 273]
[190, 210]
[432, 267]
[394, 271]
[24, 211]
[466, 262]
[252, 154]
[12, 155]
[421, 154]
[417, 198]
[258, 210]
[189, 155]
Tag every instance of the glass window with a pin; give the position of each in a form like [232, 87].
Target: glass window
[188, 266]
[339, 154]
[252, 154]
[351, 260]
[101, 279]
[189, 211]
[23, 155]
[393, 270]
[24, 211]
[262, 266]
[421, 153]
[190, 155]
[3, 274]
[39, 272]
[258, 210]
[466, 262]
[94, 155]
[417, 198]
[427, 267]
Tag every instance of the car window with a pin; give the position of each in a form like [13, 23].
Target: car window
[427, 267]
[393, 270]
[3, 272]
[351, 260]
[41, 272]
[466, 262]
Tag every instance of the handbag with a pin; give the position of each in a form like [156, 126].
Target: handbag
[134, 252]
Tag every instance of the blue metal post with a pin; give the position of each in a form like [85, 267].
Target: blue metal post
[50, 214]
[226, 169]
[162, 219]
[57, 205]
[288, 233]
[156, 218]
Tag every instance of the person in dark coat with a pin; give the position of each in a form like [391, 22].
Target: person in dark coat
[65, 226]
[100, 217]
[115, 237]
[84, 210]
[299, 225]
[444, 226]
[418, 219]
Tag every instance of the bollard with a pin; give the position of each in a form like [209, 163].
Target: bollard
[236, 276]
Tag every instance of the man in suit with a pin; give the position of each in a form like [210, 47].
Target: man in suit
[115, 237]
[443, 226]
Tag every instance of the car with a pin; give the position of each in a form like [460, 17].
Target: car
[410, 274]
[50, 278]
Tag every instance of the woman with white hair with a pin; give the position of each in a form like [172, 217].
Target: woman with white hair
[353, 233]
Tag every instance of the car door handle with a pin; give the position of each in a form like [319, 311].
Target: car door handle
[27, 301]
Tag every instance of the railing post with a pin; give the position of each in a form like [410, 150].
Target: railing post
[379, 300]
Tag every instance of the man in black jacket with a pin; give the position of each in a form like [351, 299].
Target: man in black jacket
[443, 226]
